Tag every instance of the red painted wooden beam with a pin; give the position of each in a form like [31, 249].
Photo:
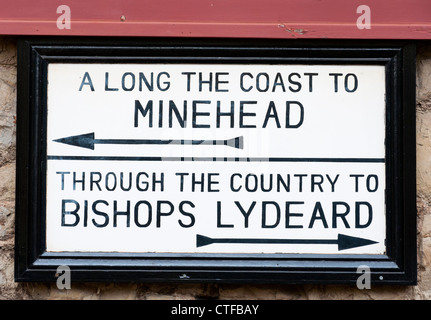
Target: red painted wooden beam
[334, 19]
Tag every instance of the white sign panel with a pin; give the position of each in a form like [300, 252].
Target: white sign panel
[212, 158]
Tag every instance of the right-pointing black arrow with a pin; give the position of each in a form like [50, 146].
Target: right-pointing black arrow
[344, 242]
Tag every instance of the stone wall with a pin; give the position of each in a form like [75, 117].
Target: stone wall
[11, 290]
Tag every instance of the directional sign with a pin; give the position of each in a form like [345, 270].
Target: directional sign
[216, 158]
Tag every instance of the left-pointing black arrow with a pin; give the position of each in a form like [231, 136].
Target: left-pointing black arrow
[344, 242]
[88, 141]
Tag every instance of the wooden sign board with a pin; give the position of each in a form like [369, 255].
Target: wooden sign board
[270, 19]
[171, 160]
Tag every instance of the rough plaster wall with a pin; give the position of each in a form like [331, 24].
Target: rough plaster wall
[11, 290]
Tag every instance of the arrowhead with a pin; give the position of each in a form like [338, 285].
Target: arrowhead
[348, 242]
[235, 142]
[83, 140]
[202, 241]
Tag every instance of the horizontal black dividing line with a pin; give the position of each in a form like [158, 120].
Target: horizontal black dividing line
[216, 159]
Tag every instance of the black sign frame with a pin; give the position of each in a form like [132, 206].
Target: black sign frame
[34, 263]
